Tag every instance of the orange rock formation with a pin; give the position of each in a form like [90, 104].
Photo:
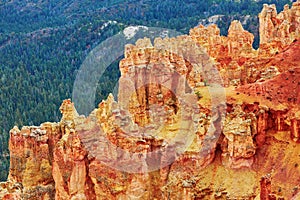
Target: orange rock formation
[168, 137]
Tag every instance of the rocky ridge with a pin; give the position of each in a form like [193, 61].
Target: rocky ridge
[167, 137]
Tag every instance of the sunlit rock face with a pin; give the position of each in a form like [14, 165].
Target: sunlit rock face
[172, 133]
[230, 53]
[238, 145]
[237, 44]
[31, 151]
[163, 75]
[236, 60]
[277, 31]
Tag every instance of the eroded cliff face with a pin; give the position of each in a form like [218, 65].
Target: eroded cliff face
[90, 157]
[31, 151]
[278, 30]
[236, 60]
[230, 53]
[173, 134]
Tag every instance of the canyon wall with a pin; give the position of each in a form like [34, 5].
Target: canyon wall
[93, 158]
[173, 134]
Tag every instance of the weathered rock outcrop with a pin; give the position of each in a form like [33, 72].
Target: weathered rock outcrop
[70, 163]
[230, 52]
[237, 45]
[265, 186]
[234, 56]
[238, 145]
[283, 90]
[278, 30]
[163, 74]
[171, 135]
[31, 157]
